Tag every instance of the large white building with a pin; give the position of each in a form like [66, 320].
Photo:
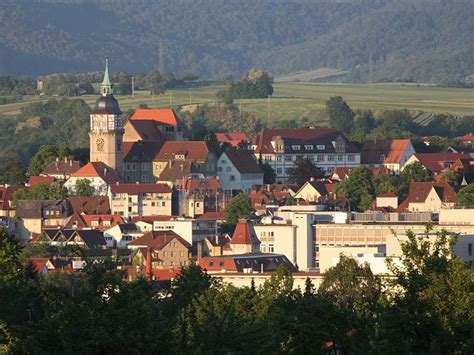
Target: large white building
[328, 148]
[238, 170]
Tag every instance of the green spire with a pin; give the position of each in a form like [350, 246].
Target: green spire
[106, 86]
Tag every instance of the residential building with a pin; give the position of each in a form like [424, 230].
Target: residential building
[271, 194]
[168, 249]
[467, 139]
[142, 131]
[138, 161]
[61, 170]
[128, 200]
[99, 175]
[387, 200]
[189, 229]
[195, 152]
[246, 263]
[6, 196]
[244, 240]
[35, 215]
[327, 147]
[106, 131]
[312, 191]
[120, 235]
[86, 238]
[428, 197]
[35, 180]
[340, 173]
[389, 153]
[92, 221]
[436, 162]
[238, 170]
[166, 120]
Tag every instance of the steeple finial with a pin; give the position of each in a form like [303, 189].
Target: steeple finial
[106, 86]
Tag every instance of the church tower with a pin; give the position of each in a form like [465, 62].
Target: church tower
[106, 131]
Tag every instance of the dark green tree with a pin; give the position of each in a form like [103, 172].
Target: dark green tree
[53, 191]
[46, 155]
[466, 196]
[239, 207]
[414, 172]
[303, 170]
[358, 188]
[84, 188]
[269, 175]
[340, 114]
[12, 172]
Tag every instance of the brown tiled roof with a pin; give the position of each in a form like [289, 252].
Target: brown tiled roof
[140, 151]
[90, 204]
[301, 136]
[177, 171]
[418, 192]
[244, 161]
[147, 130]
[237, 263]
[135, 189]
[192, 150]
[35, 180]
[61, 167]
[37, 208]
[213, 216]
[158, 239]
[6, 195]
[391, 149]
[387, 194]
[98, 169]
[86, 221]
[435, 161]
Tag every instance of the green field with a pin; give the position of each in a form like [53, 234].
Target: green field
[295, 100]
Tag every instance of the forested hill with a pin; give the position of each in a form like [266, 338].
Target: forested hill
[421, 40]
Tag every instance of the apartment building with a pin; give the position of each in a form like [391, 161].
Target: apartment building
[189, 229]
[327, 147]
[128, 200]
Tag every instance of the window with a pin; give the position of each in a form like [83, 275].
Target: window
[287, 157]
[232, 178]
[340, 157]
[221, 263]
[211, 263]
[295, 147]
[469, 249]
[268, 158]
[127, 167]
[153, 204]
[320, 157]
[271, 248]
[173, 254]
[144, 178]
[127, 178]
[330, 157]
[382, 158]
[321, 146]
[163, 204]
[134, 167]
[181, 253]
[309, 147]
[278, 157]
[169, 128]
[165, 253]
[351, 157]
[219, 168]
[287, 171]
[144, 167]
[279, 170]
[223, 161]
[228, 169]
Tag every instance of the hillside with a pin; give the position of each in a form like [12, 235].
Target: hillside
[420, 40]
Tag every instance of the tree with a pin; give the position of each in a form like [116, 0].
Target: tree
[84, 188]
[41, 191]
[213, 144]
[414, 172]
[239, 207]
[466, 196]
[358, 188]
[12, 172]
[340, 114]
[303, 170]
[269, 175]
[46, 155]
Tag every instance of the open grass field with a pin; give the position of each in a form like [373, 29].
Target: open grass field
[295, 100]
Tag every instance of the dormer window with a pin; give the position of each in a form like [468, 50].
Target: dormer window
[179, 156]
[382, 158]
[308, 147]
[295, 147]
[321, 147]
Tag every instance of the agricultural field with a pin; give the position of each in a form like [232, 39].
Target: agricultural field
[296, 100]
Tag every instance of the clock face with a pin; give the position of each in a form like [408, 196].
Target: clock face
[100, 144]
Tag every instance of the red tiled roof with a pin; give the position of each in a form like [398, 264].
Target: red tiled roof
[90, 204]
[135, 189]
[192, 150]
[213, 216]
[86, 221]
[391, 149]
[244, 234]
[158, 239]
[467, 138]
[418, 192]
[35, 180]
[233, 138]
[435, 161]
[237, 263]
[6, 195]
[198, 184]
[387, 194]
[166, 116]
[97, 169]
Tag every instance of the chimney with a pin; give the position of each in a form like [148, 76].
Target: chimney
[312, 179]
[65, 159]
[148, 266]
[70, 162]
[105, 171]
[57, 159]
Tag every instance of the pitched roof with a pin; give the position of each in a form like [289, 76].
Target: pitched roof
[94, 221]
[301, 136]
[194, 184]
[97, 169]
[435, 161]
[244, 161]
[466, 138]
[90, 204]
[387, 194]
[418, 192]
[91, 237]
[192, 150]
[391, 149]
[341, 172]
[233, 138]
[158, 239]
[35, 180]
[37, 209]
[140, 151]
[135, 189]
[237, 263]
[244, 234]
[146, 129]
[166, 116]
[177, 171]
[6, 195]
[62, 167]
